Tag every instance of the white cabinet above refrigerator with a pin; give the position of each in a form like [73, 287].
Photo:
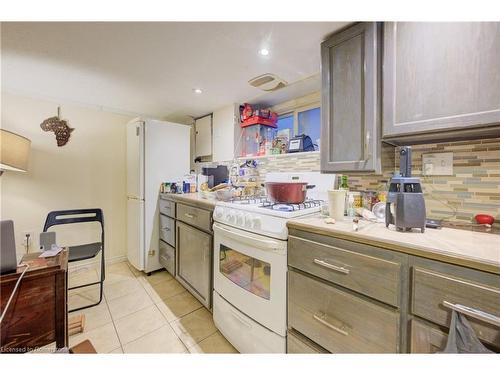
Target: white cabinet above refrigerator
[203, 136]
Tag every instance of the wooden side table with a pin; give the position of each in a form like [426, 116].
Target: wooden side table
[38, 313]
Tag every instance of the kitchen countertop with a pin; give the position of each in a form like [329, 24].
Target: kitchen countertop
[193, 199]
[467, 248]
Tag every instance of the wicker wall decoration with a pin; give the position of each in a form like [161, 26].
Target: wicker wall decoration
[60, 128]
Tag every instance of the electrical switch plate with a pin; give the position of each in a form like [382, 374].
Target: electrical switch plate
[440, 164]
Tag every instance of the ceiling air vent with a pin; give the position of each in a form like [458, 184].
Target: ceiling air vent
[268, 82]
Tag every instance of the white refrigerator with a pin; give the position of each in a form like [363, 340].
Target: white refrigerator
[157, 152]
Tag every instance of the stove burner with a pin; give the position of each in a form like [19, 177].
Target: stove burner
[289, 207]
[282, 207]
[249, 199]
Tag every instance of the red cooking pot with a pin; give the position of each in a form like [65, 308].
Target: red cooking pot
[287, 192]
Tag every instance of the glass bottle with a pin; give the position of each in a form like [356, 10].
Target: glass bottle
[343, 183]
[344, 186]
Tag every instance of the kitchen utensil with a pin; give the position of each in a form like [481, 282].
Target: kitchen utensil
[287, 192]
[484, 219]
[405, 206]
[336, 203]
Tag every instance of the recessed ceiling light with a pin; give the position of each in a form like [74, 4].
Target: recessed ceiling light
[197, 91]
[264, 52]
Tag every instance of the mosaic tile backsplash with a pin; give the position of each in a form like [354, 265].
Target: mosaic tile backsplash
[473, 188]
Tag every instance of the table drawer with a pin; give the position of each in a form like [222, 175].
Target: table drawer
[371, 276]
[298, 344]
[195, 216]
[431, 289]
[426, 339]
[167, 229]
[167, 257]
[339, 321]
[167, 207]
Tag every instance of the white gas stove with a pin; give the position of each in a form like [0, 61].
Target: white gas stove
[250, 245]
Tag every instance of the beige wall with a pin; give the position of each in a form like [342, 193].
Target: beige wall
[89, 171]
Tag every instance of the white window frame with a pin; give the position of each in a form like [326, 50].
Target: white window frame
[295, 112]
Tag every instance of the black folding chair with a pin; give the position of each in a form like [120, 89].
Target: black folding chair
[81, 252]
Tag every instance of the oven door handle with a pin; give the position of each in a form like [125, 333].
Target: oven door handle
[249, 240]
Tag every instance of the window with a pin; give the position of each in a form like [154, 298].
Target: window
[309, 122]
[304, 120]
[285, 125]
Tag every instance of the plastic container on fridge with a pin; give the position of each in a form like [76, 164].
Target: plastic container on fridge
[256, 139]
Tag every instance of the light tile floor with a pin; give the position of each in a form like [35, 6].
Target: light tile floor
[143, 314]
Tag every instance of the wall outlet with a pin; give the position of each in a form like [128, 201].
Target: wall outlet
[28, 240]
[440, 164]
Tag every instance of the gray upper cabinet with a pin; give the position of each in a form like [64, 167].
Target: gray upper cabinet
[350, 139]
[441, 81]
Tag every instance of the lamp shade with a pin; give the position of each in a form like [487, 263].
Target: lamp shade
[14, 151]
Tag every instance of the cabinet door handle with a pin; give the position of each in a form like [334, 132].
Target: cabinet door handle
[366, 150]
[191, 216]
[166, 229]
[475, 313]
[332, 266]
[321, 319]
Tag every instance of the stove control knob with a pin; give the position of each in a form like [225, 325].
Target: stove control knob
[239, 218]
[219, 212]
[232, 216]
[248, 221]
[257, 222]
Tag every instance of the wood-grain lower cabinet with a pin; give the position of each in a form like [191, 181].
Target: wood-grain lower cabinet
[438, 288]
[299, 344]
[345, 297]
[426, 338]
[338, 320]
[194, 261]
[348, 297]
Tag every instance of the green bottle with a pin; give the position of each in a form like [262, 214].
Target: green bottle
[343, 183]
[344, 186]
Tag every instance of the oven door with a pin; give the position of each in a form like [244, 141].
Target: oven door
[250, 273]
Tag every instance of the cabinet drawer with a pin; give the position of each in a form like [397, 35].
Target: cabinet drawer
[339, 321]
[426, 338]
[167, 229]
[195, 216]
[167, 257]
[167, 207]
[431, 289]
[296, 344]
[374, 277]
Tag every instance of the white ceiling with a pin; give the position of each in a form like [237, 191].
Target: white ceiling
[151, 68]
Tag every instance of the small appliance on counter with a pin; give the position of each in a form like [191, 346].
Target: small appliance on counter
[216, 175]
[405, 206]
[300, 143]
